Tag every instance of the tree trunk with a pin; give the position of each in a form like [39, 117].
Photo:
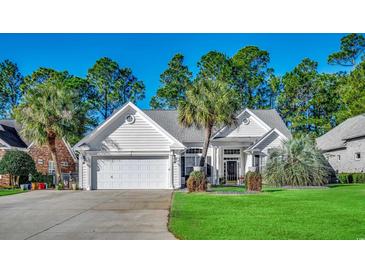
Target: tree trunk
[208, 134]
[52, 148]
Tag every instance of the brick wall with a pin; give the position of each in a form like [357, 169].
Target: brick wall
[42, 156]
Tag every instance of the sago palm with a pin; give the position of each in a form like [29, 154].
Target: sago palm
[46, 112]
[296, 163]
[208, 104]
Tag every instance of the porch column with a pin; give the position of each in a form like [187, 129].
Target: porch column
[89, 162]
[81, 170]
[171, 169]
[215, 166]
[220, 163]
[178, 163]
[242, 162]
[248, 162]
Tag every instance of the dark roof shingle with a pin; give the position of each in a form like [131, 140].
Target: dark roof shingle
[9, 134]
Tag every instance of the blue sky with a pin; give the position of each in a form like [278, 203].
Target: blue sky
[148, 54]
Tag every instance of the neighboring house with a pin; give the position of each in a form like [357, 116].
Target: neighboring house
[44, 163]
[149, 150]
[9, 139]
[344, 145]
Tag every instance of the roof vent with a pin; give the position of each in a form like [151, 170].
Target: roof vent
[130, 119]
[246, 121]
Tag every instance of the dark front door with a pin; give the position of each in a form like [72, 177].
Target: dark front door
[231, 170]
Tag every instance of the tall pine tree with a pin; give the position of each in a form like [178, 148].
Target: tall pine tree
[174, 84]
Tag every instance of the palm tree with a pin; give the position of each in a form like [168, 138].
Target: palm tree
[297, 163]
[208, 104]
[46, 112]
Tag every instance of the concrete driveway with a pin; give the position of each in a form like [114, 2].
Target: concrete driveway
[77, 215]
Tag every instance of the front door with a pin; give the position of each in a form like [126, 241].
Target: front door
[231, 173]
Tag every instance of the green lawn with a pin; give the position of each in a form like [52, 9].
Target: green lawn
[333, 213]
[4, 192]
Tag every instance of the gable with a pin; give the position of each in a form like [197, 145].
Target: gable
[140, 135]
[117, 134]
[42, 156]
[271, 141]
[254, 128]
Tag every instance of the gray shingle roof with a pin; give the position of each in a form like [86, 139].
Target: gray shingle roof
[336, 138]
[9, 134]
[168, 120]
[272, 118]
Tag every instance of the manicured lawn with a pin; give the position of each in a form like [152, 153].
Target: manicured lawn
[4, 192]
[334, 213]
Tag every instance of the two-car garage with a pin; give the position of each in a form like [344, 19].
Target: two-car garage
[131, 173]
[129, 151]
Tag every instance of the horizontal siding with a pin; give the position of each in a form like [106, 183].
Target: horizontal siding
[271, 142]
[140, 135]
[252, 129]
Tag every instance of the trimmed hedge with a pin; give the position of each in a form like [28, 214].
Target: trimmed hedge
[351, 178]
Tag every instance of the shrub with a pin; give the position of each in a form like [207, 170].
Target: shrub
[253, 181]
[344, 178]
[17, 164]
[39, 177]
[351, 178]
[297, 163]
[197, 182]
[358, 178]
[222, 181]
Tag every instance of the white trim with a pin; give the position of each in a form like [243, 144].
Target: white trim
[70, 150]
[5, 143]
[15, 148]
[265, 136]
[256, 118]
[260, 121]
[176, 143]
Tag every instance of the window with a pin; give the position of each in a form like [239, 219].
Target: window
[51, 167]
[40, 161]
[64, 164]
[190, 162]
[357, 156]
[194, 151]
[338, 157]
[231, 151]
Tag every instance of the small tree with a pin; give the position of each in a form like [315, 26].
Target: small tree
[17, 164]
[47, 111]
[297, 163]
[208, 104]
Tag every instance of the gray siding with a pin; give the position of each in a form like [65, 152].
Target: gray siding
[347, 163]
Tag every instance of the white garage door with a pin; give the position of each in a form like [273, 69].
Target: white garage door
[132, 173]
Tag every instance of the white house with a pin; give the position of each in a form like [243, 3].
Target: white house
[147, 149]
